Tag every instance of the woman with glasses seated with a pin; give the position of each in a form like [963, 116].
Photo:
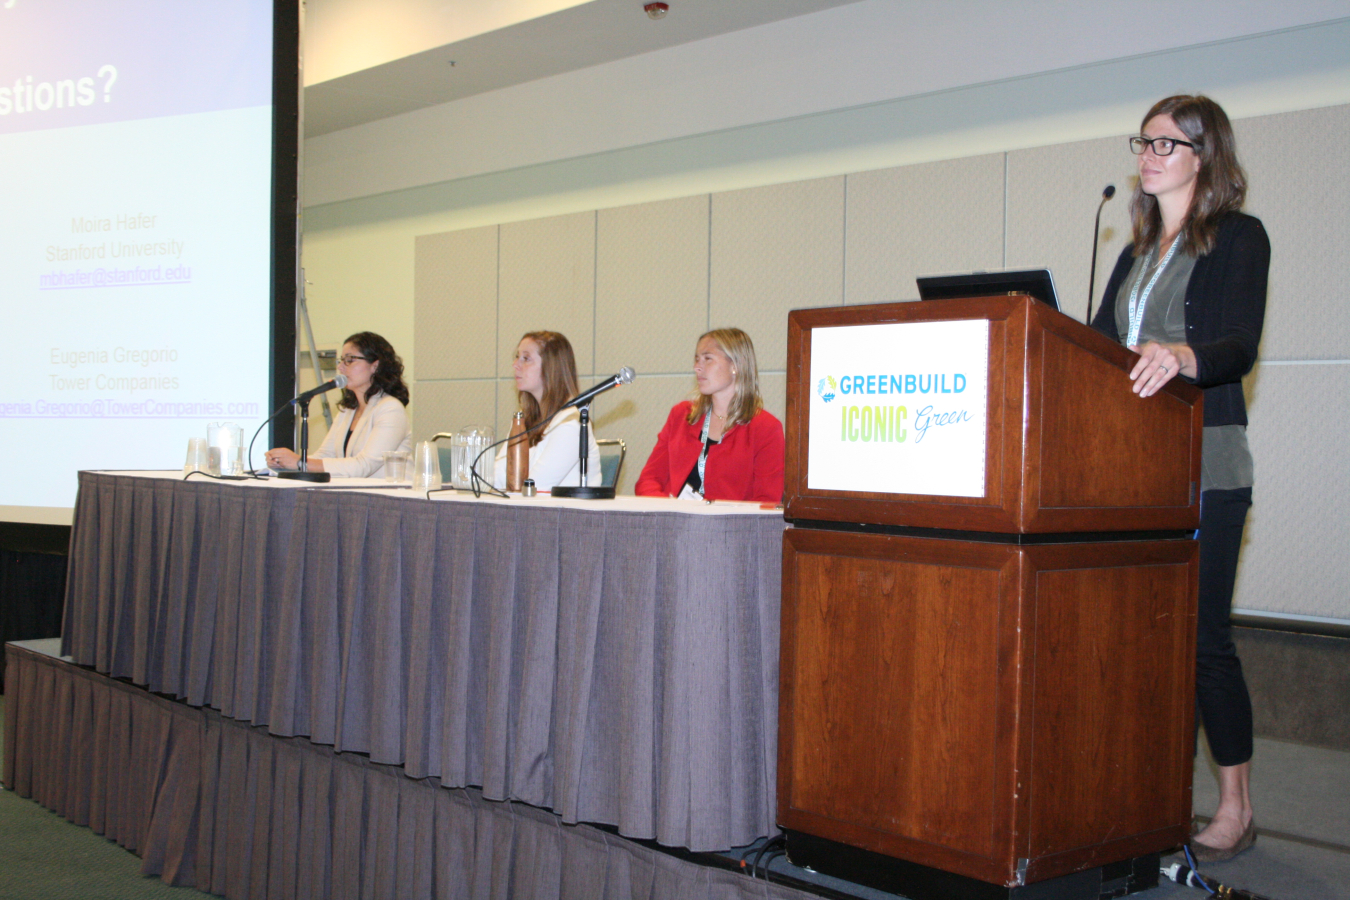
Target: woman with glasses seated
[545, 371]
[1189, 296]
[373, 417]
[723, 444]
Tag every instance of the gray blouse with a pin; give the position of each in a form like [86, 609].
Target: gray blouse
[1225, 459]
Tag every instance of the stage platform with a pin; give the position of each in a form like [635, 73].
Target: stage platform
[380, 833]
[228, 808]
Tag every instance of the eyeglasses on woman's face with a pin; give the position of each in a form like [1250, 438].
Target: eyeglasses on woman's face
[1162, 146]
[350, 358]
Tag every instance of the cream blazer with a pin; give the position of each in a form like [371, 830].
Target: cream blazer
[384, 426]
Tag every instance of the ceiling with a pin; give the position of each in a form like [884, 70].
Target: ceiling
[521, 45]
[878, 81]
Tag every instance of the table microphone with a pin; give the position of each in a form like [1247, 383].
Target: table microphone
[339, 381]
[302, 401]
[1107, 193]
[624, 376]
[584, 491]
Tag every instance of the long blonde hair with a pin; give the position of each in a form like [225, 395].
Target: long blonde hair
[746, 401]
[558, 370]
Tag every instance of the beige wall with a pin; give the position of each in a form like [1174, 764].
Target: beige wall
[635, 285]
[636, 249]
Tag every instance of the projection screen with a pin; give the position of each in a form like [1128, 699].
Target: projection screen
[147, 242]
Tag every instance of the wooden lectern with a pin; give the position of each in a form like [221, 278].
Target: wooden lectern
[993, 696]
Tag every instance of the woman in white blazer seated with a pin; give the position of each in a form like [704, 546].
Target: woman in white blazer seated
[373, 417]
[545, 370]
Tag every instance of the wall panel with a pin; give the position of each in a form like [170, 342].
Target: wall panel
[1298, 169]
[548, 284]
[451, 405]
[455, 294]
[928, 219]
[504, 404]
[773, 388]
[1293, 557]
[775, 249]
[651, 295]
[1053, 193]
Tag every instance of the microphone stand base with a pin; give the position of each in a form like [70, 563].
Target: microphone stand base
[316, 477]
[584, 493]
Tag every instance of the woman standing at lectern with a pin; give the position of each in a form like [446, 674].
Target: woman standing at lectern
[1189, 295]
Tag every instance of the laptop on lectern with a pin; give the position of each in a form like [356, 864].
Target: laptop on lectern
[1038, 283]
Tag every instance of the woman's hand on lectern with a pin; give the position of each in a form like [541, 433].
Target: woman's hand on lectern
[1159, 364]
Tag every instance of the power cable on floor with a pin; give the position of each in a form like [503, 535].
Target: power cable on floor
[1190, 876]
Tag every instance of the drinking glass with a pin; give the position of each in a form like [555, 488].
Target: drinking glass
[196, 456]
[426, 467]
[395, 466]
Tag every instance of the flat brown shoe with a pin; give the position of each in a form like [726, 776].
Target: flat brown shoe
[1204, 853]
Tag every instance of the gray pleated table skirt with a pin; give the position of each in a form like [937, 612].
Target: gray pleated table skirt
[616, 663]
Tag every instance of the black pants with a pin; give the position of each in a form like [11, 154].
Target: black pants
[1221, 696]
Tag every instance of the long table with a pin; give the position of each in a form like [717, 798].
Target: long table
[613, 662]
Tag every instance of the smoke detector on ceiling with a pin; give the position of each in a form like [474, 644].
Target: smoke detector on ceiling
[656, 10]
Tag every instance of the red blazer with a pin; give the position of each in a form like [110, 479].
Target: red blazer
[746, 465]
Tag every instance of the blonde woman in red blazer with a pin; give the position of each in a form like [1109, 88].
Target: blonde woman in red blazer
[722, 444]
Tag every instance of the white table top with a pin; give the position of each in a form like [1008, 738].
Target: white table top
[378, 486]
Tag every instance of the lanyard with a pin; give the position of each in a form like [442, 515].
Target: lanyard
[1137, 303]
[703, 454]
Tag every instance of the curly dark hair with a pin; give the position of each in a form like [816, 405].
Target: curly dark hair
[388, 374]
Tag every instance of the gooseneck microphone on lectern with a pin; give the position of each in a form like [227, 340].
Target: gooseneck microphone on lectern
[302, 401]
[1107, 193]
[583, 491]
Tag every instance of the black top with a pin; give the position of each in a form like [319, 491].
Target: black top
[1225, 311]
[695, 481]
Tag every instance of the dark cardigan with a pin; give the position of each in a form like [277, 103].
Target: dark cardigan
[1225, 309]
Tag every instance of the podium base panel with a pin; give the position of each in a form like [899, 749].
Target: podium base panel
[918, 882]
